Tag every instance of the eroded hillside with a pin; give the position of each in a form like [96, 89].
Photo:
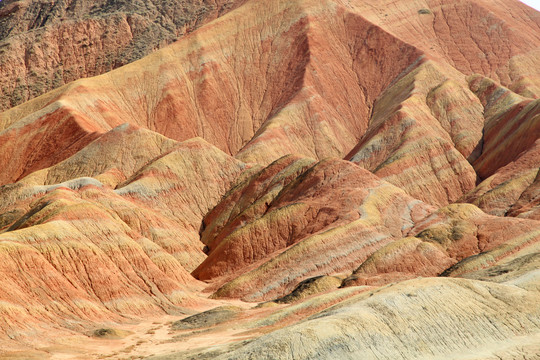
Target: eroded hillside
[46, 44]
[332, 178]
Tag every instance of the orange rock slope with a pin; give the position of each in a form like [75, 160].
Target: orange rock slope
[287, 147]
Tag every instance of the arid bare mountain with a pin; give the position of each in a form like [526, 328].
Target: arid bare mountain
[330, 179]
[45, 43]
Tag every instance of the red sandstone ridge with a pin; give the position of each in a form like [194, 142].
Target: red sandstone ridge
[122, 249]
[303, 220]
[294, 106]
[297, 154]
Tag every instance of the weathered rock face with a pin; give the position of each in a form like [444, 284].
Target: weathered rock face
[512, 123]
[468, 35]
[473, 319]
[513, 189]
[528, 204]
[281, 151]
[101, 250]
[423, 130]
[456, 239]
[45, 44]
[203, 86]
[326, 219]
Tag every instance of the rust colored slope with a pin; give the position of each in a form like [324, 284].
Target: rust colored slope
[112, 158]
[498, 39]
[165, 91]
[43, 140]
[512, 125]
[513, 189]
[456, 239]
[264, 86]
[509, 158]
[286, 224]
[423, 129]
[110, 268]
[437, 123]
[251, 199]
[326, 117]
[122, 252]
[211, 84]
[302, 223]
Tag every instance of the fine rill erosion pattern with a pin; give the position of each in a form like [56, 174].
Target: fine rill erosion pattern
[46, 44]
[307, 179]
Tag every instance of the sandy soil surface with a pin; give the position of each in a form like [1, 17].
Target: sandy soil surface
[142, 339]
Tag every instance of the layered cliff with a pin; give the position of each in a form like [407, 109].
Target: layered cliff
[379, 158]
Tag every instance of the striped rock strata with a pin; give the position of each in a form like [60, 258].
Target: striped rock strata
[279, 152]
[90, 251]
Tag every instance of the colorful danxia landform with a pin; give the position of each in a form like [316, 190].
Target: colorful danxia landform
[280, 179]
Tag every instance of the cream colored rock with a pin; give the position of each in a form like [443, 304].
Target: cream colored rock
[443, 318]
